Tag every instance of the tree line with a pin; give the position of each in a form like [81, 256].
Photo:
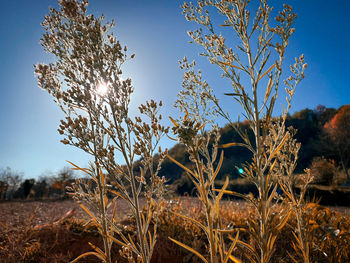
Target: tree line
[14, 186]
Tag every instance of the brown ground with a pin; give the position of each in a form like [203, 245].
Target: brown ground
[19, 214]
[17, 218]
[18, 240]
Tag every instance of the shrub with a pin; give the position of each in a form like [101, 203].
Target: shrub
[326, 172]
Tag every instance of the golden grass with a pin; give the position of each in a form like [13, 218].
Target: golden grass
[64, 242]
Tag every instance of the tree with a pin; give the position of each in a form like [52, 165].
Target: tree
[338, 134]
[11, 180]
[86, 82]
[3, 189]
[325, 171]
[27, 186]
[41, 187]
[62, 180]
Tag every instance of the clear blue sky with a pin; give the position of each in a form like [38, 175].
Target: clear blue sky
[156, 32]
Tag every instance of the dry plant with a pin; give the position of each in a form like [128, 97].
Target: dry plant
[86, 82]
[288, 157]
[202, 146]
[263, 47]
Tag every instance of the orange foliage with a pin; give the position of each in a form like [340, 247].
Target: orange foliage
[340, 121]
[338, 130]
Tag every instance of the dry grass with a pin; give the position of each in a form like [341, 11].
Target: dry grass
[20, 242]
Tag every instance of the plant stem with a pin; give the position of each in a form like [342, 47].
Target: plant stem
[208, 207]
[100, 185]
[138, 218]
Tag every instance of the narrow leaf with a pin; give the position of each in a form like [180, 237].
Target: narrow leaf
[272, 194]
[88, 211]
[200, 127]
[234, 259]
[286, 192]
[174, 122]
[259, 78]
[217, 167]
[85, 170]
[285, 220]
[229, 230]
[118, 194]
[273, 166]
[186, 116]
[88, 254]
[228, 255]
[279, 146]
[118, 241]
[189, 249]
[233, 94]
[231, 144]
[310, 205]
[271, 241]
[102, 178]
[171, 138]
[132, 243]
[230, 193]
[268, 90]
[114, 208]
[221, 193]
[118, 169]
[97, 250]
[245, 245]
[105, 198]
[182, 166]
[290, 255]
[230, 65]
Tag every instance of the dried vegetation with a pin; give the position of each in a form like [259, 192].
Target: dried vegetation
[86, 81]
[26, 240]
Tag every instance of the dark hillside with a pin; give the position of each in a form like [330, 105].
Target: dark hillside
[310, 132]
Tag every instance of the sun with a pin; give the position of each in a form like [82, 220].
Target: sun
[102, 89]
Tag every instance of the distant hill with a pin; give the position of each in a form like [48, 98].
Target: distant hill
[309, 124]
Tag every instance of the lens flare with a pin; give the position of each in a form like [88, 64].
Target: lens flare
[102, 89]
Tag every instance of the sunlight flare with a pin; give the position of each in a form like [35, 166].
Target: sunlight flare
[102, 89]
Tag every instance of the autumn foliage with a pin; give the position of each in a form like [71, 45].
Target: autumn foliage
[337, 130]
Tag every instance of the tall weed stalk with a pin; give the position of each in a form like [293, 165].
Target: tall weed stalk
[86, 82]
[200, 135]
[257, 59]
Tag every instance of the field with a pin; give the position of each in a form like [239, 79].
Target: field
[54, 231]
[45, 231]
